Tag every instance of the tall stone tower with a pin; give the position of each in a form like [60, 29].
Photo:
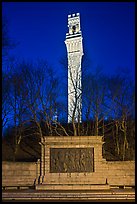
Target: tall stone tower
[74, 51]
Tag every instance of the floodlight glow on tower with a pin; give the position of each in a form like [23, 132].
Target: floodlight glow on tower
[74, 52]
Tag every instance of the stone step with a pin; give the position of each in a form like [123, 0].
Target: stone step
[63, 195]
[72, 187]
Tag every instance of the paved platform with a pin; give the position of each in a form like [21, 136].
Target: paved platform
[92, 195]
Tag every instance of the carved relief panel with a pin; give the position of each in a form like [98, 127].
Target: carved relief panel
[68, 160]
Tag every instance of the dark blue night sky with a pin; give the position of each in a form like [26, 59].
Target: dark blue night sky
[108, 31]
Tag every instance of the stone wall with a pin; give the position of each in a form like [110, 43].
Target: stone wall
[120, 173]
[18, 173]
[101, 172]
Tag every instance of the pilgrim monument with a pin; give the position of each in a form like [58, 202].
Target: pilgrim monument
[71, 162]
[74, 51]
[76, 162]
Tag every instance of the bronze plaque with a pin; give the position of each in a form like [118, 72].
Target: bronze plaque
[68, 160]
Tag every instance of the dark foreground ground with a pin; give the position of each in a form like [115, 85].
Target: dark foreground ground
[31, 195]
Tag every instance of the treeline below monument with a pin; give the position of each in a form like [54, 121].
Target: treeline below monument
[29, 148]
[34, 105]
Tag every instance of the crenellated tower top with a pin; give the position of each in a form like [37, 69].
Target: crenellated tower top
[73, 25]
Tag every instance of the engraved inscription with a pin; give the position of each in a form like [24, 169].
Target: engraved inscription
[67, 160]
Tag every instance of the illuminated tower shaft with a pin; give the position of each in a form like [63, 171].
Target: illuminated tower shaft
[75, 51]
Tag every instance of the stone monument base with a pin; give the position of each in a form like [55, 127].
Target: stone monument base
[72, 163]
